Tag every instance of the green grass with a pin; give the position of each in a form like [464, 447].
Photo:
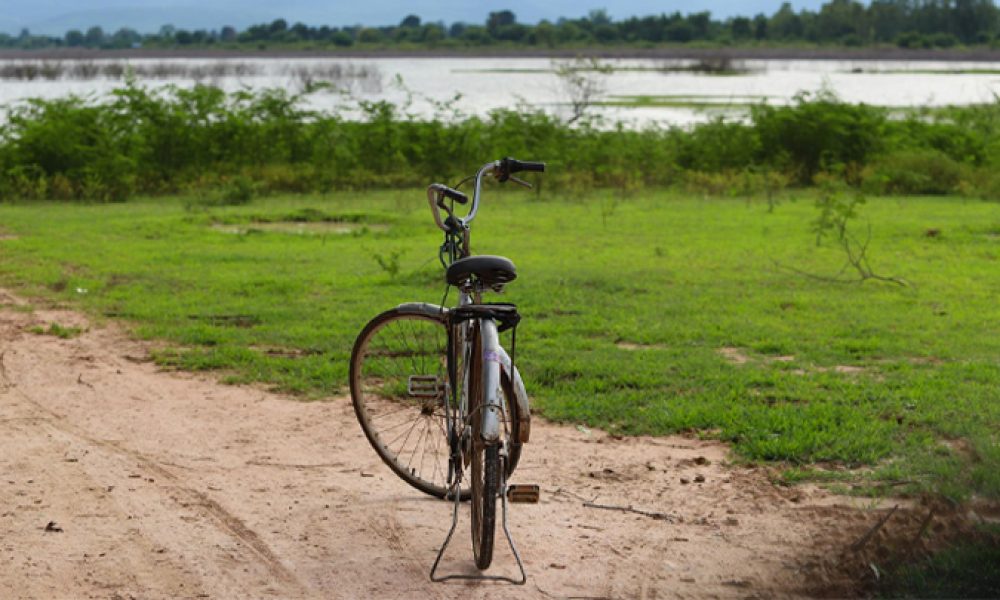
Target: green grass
[627, 304]
[57, 330]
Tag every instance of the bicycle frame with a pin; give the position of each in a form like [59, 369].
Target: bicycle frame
[493, 353]
[495, 360]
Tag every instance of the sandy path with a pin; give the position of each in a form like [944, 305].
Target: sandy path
[171, 485]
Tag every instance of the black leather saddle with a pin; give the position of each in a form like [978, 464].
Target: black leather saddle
[491, 270]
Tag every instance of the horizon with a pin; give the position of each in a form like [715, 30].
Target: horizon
[56, 17]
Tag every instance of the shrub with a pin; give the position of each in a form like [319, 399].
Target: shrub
[913, 172]
[817, 133]
[240, 190]
[981, 183]
[244, 143]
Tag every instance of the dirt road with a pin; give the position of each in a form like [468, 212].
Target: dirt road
[119, 480]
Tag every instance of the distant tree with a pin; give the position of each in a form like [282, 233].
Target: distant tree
[680, 31]
[370, 35]
[342, 39]
[850, 22]
[887, 19]
[599, 17]
[476, 34]
[496, 20]
[94, 37]
[515, 32]
[701, 24]
[433, 33]
[839, 18]
[544, 34]
[760, 27]
[278, 26]
[74, 38]
[302, 31]
[606, 33]
[786, 24]
[569, 32]
[124, 38]
[741, 28]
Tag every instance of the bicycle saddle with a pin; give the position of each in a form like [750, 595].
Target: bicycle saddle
[491, 270]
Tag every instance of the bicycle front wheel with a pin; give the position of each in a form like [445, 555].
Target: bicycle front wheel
[399, 387]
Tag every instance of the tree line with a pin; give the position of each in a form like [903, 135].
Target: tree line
[906, 23]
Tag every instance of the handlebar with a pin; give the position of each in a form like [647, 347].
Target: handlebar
[500, 169]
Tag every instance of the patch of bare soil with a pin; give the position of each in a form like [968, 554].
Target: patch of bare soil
[120, 480]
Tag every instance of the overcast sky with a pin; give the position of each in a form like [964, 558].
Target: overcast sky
[55, 16]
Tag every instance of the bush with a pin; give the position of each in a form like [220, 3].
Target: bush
[817, 133]
[912, 39]
[239, 191]
[913, 172]
[244, 143]
[981, 183]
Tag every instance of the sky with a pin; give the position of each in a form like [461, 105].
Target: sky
[56, 16]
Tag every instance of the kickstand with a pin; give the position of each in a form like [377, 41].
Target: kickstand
[454, 522]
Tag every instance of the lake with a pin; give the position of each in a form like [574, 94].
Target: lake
[638, 92]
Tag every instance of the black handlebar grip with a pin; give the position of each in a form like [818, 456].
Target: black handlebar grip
[532, 166]
[511, 166]
[454, 194]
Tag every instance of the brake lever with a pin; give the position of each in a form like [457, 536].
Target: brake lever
[521, 182]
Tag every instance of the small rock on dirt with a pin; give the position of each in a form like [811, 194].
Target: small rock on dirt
[53, 527]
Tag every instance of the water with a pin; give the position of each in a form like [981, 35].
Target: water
[637, 92]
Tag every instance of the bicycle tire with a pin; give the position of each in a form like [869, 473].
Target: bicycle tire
[389, 416]
[484, 472]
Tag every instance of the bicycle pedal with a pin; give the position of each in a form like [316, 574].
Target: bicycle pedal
[523, 493]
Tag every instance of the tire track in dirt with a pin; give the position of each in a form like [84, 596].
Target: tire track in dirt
[183, 496]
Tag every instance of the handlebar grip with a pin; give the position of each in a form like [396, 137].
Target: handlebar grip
[509, 166]
[454, 194]
[524, 165]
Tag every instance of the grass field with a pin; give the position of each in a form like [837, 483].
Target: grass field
[654, 313]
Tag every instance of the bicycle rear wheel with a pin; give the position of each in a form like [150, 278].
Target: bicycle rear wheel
[399, 388]
[484, 468]
[485, 489]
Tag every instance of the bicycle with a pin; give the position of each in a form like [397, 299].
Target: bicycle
[437, 396]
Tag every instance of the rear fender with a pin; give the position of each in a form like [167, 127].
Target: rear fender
[520, 397]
